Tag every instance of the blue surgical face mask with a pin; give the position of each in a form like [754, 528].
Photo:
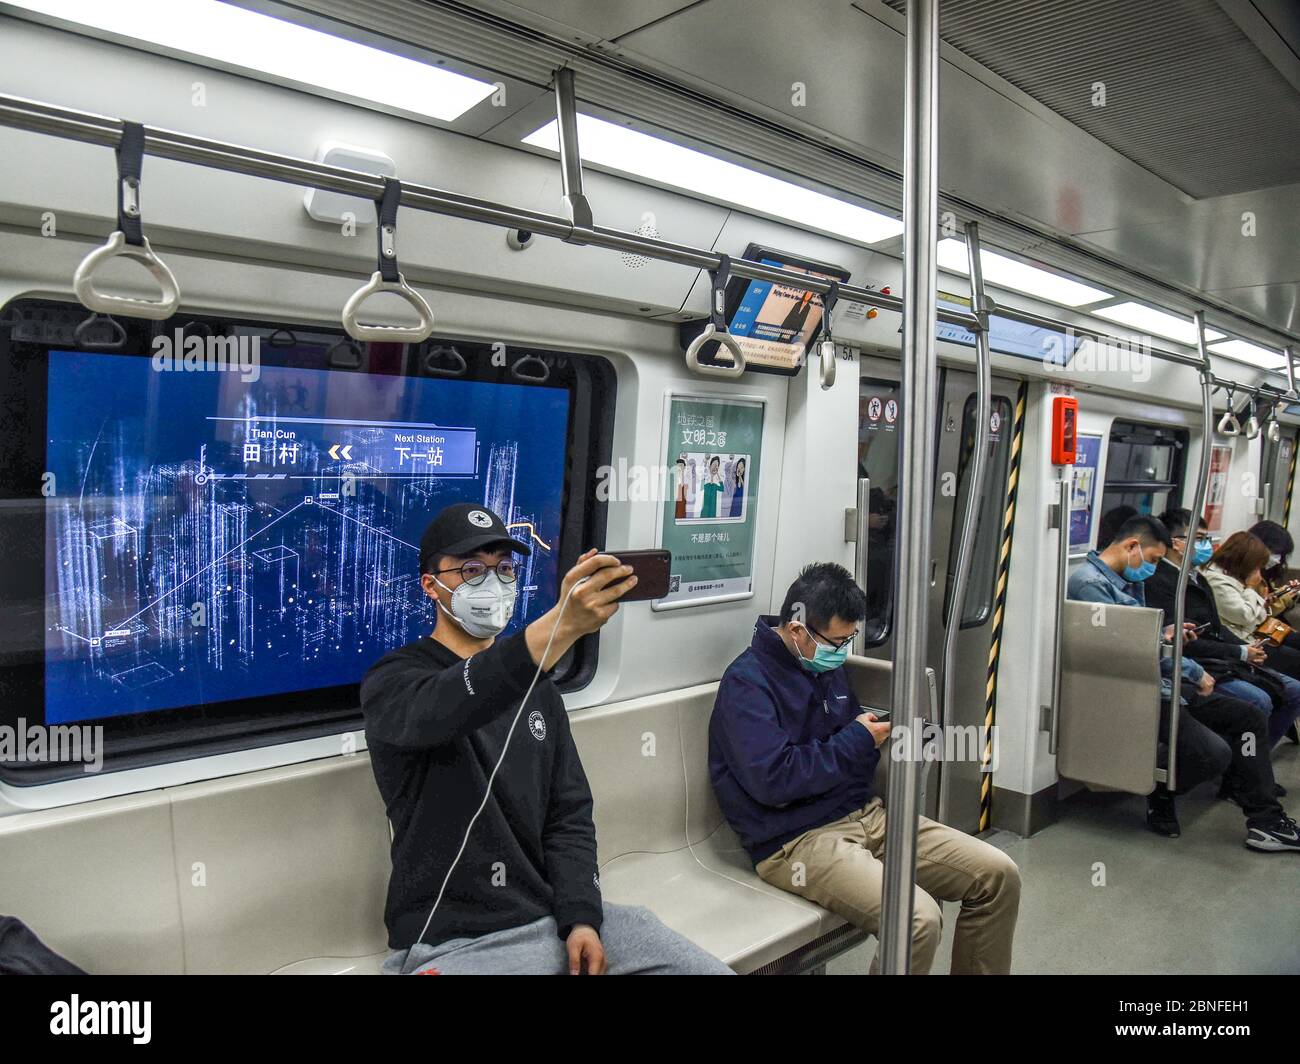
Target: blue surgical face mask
[825, 658]
[1202, 552]
[1136, 576]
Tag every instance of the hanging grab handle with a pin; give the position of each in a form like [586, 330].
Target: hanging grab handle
[717, 328]
[1252, 422]
[1228, 424]
[826, 345]
[128, 242]
[387, 278]
[1274, 421]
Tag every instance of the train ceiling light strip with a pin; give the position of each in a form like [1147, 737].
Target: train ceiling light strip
[663, 162]
[249, 40]
[1251, 354]
[1151, 320]
[71, 124]
[1020, 276]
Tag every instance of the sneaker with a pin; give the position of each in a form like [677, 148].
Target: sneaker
[1162, 818]
[1282, 834]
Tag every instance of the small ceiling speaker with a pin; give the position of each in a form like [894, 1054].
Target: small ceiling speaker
[335, 207]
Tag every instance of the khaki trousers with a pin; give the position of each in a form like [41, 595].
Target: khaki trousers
[839, 866]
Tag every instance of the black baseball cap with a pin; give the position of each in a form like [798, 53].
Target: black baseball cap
[463, 529]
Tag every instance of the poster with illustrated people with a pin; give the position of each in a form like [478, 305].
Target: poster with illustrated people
[713, 449]
[1083, 492]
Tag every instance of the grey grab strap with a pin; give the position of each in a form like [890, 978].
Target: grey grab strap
[717, 329]
[128, 241]
[388, 278]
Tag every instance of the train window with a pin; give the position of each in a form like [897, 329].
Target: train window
[982, 583]
[1144, 467]
[878, 407]
[211, 525]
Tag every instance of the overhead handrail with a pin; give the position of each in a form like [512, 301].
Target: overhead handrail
[716, 330]
[1185, 566]
[975, 492]
[87, 127]
[826, 345]
[128, 241]
[1228, 424]
[387, 278]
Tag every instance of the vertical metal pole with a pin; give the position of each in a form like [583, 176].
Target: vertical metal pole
[862, 535]
[1193, 529]
[566, 113]
[1290, 369]
[909, 694]
[974, 492]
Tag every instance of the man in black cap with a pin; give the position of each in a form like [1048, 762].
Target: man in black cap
[520, 892]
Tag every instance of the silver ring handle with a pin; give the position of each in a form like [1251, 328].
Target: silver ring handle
[1252, 427]
[728, 341]
[1274, 431]
[387, 333]
[826, 355]
[83, 281]
[1229, 425]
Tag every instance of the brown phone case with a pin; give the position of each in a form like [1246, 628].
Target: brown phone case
[651, 570]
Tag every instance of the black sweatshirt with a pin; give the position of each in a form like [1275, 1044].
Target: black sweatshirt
[435, 726]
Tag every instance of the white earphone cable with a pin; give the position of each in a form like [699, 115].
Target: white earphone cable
[504, 747]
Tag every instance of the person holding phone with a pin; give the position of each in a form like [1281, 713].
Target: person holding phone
[791, 759]
[519, 892]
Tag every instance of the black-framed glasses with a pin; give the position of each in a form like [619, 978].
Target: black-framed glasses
[473, 572]
[831, 642]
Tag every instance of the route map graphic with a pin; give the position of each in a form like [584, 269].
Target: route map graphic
[211, 539]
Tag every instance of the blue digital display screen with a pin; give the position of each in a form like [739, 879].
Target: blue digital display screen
[1010, 337]
[211, 538]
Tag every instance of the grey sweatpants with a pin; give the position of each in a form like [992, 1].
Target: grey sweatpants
[635, 942]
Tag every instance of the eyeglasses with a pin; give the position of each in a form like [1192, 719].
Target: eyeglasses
[474, 572]
[831, 642]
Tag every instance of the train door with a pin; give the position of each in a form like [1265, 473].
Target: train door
[879, 406]
[1277, 474]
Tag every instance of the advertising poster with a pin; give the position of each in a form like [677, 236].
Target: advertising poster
[713, 452]
[774, 322]
[1083, 492]
[1217, 488]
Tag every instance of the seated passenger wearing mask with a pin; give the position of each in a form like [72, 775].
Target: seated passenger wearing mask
[1238, 667]
[1215, 731]
[1279, 596]
[525, 894]
[791, 757]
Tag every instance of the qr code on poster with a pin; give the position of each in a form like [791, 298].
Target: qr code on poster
[674, 584]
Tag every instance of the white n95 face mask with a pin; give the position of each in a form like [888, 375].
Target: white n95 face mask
[483, 610]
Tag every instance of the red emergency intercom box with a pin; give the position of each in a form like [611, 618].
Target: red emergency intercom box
[1065, 435]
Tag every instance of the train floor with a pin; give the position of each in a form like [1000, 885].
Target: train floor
[1200, 903]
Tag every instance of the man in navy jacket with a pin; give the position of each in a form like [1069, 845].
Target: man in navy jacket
[792, 756]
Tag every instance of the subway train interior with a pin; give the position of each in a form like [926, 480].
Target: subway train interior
[893, 337]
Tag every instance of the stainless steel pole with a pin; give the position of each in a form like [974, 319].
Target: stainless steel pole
[1185, 568]
[916, 474]
[566, 113]
[974, 491]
